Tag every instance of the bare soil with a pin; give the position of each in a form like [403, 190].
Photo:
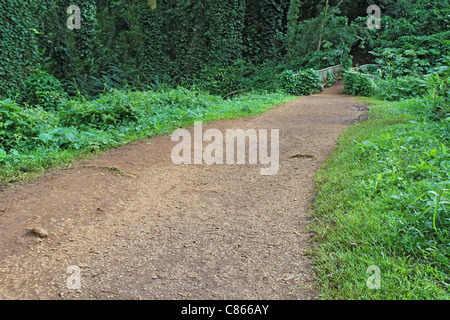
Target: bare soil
[140, 227]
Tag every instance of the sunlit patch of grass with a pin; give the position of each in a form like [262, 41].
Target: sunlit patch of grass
[383, 199]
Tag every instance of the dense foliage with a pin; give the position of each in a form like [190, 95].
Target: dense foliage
[18, 43]
[304, 82]
[358, 84]
[140, 44]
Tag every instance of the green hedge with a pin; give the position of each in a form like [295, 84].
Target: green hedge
[401, 88]
[304, 82]
[357, 84]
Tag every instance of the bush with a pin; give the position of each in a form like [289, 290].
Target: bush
[43, 89]
[412, 55]
[265, 77]
[401, 88]
[240, 75]
[428, 97]
[110, 110]
[16, 127]
[357, 84]
[304, 82]
[223, 80]
[439, 106]
[327, 57]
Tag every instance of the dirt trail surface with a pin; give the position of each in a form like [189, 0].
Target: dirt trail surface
[140, 227]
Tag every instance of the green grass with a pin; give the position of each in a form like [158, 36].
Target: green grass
[80, 129]
[383, 199]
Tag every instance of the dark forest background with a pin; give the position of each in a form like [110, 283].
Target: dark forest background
[242, 43]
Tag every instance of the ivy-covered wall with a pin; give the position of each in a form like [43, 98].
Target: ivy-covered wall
[122, 41]
[19, 51]
[136, 43]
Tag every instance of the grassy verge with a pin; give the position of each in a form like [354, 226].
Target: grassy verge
[383, 200]
[33, 140]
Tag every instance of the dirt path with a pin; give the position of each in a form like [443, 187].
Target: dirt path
[165, 231]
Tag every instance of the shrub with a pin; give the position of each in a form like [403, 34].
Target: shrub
[43, 89]
[439, 106]
[412, 55]
[357, 84]
[241, 75]
[302, 83]
[16, 126]
[401, 88]
[110, 110]
[265, 77]
[223, 80]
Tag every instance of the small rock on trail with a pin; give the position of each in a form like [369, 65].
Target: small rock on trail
[39, 232]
